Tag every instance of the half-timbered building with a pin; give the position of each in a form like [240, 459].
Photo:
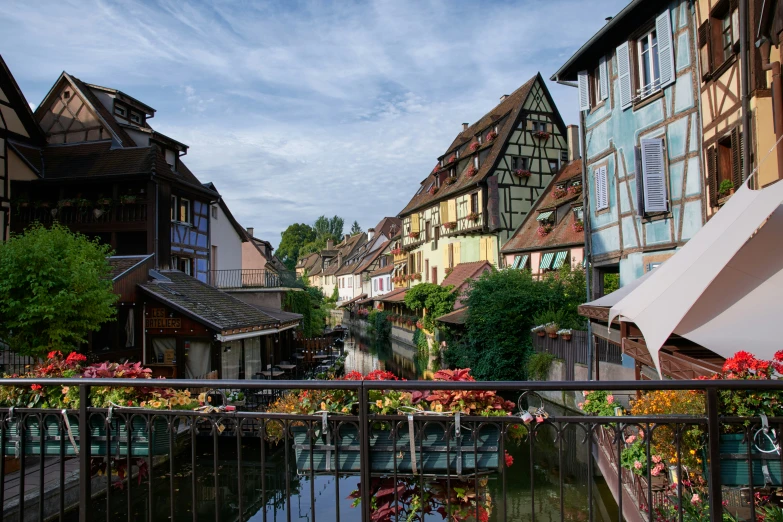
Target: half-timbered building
[484, 185]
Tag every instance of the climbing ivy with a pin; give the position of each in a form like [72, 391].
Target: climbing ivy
[435, 299]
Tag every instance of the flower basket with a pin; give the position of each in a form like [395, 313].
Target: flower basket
[473, 216]
[451, 225]
[559, 192]
[433, 190]
[417, 277]
[472, 171]
[578, 226]
[388, 454]
[544, 230]
[83, 203]
[474, 146]
[551, 330]
[492, 135]
[65, 203]
[413, 235]
[541, 135]
[104, 202]
[575, 189]
[539, 330]
[565, 334]
[450, 180]
[522, 173]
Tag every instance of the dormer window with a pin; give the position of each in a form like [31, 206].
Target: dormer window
[121, 111]
[476, 161]
[457, 153]
[480, 138]
[578, 213]
[452, 172]
[135, 117]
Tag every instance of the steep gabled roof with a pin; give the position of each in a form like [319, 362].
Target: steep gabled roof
[120, 265]
[395, 296]
[241, 232]
[388, 269]
[464, 271]
[505, 116]
[17, 108]
[459, 316]
[372, 257]
[526, 237]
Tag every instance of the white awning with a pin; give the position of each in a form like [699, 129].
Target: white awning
[722, 289]
[520, 261]
[546, 260]
[560, 257]
[544, 215]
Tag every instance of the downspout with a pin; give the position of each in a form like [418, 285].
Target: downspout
[777, 97]
[744, 87]
[586, 222]
[157, 212]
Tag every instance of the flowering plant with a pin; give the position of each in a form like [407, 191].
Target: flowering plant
[396, 251]
[433, 190]
[578, 225]
[745, 403]
[450, 180]
[413, 234]
[544, 229]
[437, 166]
[451, 225]
[474, 146]
[473, 216]
[417, 277]
[492, 135]
[559, 192]
[634, 458]
[522, 173]
[472, 171]
[452, 158]
[598, 402]
[575, 189]
[542, 135]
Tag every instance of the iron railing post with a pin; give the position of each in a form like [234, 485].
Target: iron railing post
[713, 434]
[364, 453]
[85, 478]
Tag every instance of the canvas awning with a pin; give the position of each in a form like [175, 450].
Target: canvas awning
[560, 257]
[721, 290]
[544, 216]
[546, 260]
[520, 261]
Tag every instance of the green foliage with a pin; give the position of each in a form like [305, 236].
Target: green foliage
[355, 228]
[611, 283]
[435, 299]
[335, 295]
[539, 364]
[54, 289]
[379, 324]
[329, 228]
[725, 187]
[311, 304]
[599, 402]
[293, 239]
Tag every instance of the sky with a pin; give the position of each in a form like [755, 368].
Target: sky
[300, 109]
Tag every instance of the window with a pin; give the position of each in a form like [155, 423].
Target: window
[214, 212]
[553, 165]
[427, 270]
[119, 110]
[173, 208]
[457, 154]
[539, 126]
[435, 275]
[214, 258]
[380, 284]
[478, 138]
[183, 264]
[601, 188]
[135, 117]
[518, 163]
[726, 38]
[476, 161]
[648, 63]
[563, 156]
[724, 163]
[718, 36]
[474, 200]
[184, 210]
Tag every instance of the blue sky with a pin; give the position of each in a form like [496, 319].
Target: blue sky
[297, 109]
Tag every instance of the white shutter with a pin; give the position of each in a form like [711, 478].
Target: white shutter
[584, 90]
[663, 29]
[601, 188]
[624, 76]
[603, 71]
[655, 198]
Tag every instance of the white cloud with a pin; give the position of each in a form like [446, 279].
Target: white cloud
[300, 109]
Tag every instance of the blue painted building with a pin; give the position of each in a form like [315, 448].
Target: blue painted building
[639, 100]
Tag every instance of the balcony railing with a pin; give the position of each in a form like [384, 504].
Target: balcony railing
[216, 464]
[71, 215]
[240, 278]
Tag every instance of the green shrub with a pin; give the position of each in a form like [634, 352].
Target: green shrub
[538, 365]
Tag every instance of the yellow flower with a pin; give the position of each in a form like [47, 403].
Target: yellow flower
[437, 407]
[183, 401]
[323, 406]
[202, 397]
[66, 400]
[345, 409]
[187, 393]
[379, 403]
[693, 452]
[155, 404]
[143, 404]
[387, 402]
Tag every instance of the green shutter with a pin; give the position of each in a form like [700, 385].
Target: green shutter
[559, 259]
[546, 260]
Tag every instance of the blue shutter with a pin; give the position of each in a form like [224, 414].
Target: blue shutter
[663, 30]
[584, 90]
[624, 76]
[653, 168]
[603, 81]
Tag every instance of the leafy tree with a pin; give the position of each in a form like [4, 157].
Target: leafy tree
[355, 228]
[293, 239]
[309, 303]
[435, 299]
[329, 228]
[54, 289]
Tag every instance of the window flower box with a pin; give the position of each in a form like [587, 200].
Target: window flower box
[450, 180]
[472, 171]
[396, 251]
[417, 277]
[65, 203]
[541, 135]
[451, 225]
[433, 190]
[578, 226]
[42, 204]
[544, 230]
[103, 202]
[473, 216]
[491, 136]
[413, 235]
[575, 190]
[128, 199]
[559, 192]
[474, 146]
[522, 173]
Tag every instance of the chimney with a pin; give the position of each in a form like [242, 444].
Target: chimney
[329, 244]
[503, 98]
[370, 234]
[250, 231]
[339, 259]
[572, 135]
[347, 237]
[465, 126]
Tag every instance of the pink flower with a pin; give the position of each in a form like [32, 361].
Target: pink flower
[587, 401]
[656, 458]
[695, 499]
[581, 405]
[630, 439]
[584, 393]
[637, 464]
[610, 399]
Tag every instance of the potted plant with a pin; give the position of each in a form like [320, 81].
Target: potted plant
[539, 330]
[544, 229]
[559, 192]
[726, 188]
[551, 330]
[578, 225]
[236, 397]
[433, 190]
[474, 146]
[417, 276]
[128, 199]
[541, 135]
[103, 201]
[492, 135]
[83, 203]
[565, 334]
[472, 171]
[451, 225]
[65, 203]
[473, 216]
[522, 173]
[451, 180]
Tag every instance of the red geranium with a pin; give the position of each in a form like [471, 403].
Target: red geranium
[36, 387]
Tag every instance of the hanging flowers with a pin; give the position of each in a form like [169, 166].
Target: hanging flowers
[541, 135]
[522, 173]
[451, 225]
[472, 171]
[452, 159]
[492, 135]
[413, 235]
[559, 192]
[575, 189]
[433, 190]
[578, 225]
[544, 230]
[417, 277]
[474, 146]
[437, 166]
[473, 216]
[450, 180]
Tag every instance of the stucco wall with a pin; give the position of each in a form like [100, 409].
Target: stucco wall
[251, 257]
[228, 242]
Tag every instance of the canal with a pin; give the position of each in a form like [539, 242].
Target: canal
[286, 496]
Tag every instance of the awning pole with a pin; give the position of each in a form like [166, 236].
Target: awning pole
[588, 246]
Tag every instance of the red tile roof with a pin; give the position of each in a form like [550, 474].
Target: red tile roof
[464, 271]
[504, 115]
[388, 269]
[395, 296]
[526, 237]
[459, 316]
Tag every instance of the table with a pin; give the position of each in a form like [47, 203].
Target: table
[287, 366]
[300, 357]
[271, 373]
[320, 357]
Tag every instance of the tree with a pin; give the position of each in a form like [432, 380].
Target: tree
[355, 228]
[329, 228]
[54, 289]
[435, 299]
[293, 239]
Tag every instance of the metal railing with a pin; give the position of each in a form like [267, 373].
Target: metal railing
[190, 465]
[244, 278]
[93, 214]
[575, 350]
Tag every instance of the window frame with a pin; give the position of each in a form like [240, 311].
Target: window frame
[185, 203]
[135, 117]
[556, 163]
[174, 209]
[474, 202]
[515, 163]
[639, 63]
[120, 110]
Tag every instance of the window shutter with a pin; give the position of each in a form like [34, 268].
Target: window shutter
[457, 253]
[601, 190]
[584, 90]
[444, 212]
[452, 212]
[736, 157]
[712, 175]
[491, 250]
[653, 167]
[446, 255]
[480, 203]
[624, 75]
[639, 182]
[704, 48]
[663, 29]
[415, 223]
[603, 70]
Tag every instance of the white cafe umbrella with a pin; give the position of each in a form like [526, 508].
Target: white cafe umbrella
[723, 289]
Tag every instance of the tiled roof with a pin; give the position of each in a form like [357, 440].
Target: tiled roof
[351, 301]
[281, 315]
[395, 296]
[505, 115]
[121, 264]
[464, 271]
[206, 304]
[308, 261]
[526, 236]
[386, 224]
[456, 317]
[371, 257]
[388, 269]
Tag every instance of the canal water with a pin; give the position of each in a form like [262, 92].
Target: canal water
[297, 498]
